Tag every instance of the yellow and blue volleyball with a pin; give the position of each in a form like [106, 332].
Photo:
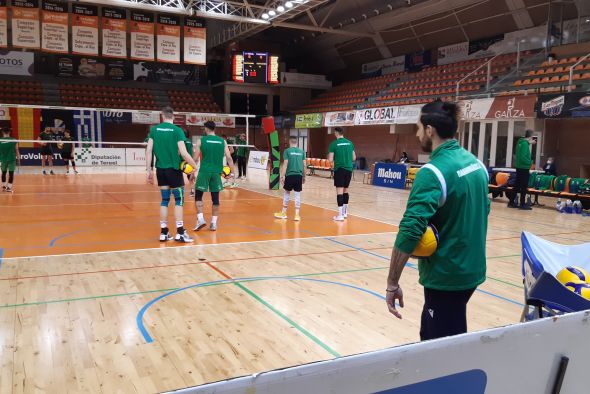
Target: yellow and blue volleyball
[572, 274]
[580, 288]
[428, 243]
[226, 171]
[186, 168]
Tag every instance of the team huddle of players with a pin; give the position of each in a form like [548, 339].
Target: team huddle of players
[56, 140]
[173, 152]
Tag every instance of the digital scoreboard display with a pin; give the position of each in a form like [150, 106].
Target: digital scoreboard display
[255, 67]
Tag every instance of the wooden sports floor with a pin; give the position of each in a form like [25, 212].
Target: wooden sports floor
[91, 302]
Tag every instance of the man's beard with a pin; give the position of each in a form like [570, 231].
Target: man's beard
[426, 145]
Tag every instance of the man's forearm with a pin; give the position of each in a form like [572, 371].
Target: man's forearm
[396, 266]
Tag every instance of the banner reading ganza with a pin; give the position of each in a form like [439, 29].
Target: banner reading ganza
[54, 29]
[3, 24]
[114, 32]
[195, 41]
[84, 29]
[25, 24]
[142, 36]
[169, 38]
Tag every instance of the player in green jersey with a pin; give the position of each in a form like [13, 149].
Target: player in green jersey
[9, 157]
[342, 155]
[292, 177]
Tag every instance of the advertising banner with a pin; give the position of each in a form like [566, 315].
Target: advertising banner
[195, 41]
[342, 118]
[54, 27]
[25, 24]
[220, 121]
[185, 74]
[369, 116]
[3, 24]
[308, 121]
[408, 114]
[4, 113]
[513, 107]
[114, 32]
[453, 53]
[145, 117]
[168, 49]
[476, 109]
[390, 175]
[84, 29]
[142, 36]
[384, 67]
[258, 159]
[99, 157]
[16, 63]
[135, 156]
[566, 105]
[116, 117]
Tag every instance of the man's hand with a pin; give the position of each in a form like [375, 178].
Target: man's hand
[150, 176]
[303, 180]
[392, 294]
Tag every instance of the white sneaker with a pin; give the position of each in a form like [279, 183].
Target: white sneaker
[213, 227]
[200, 225]
[165, 237]
[338, 218]
[183, 238]
[345, 215]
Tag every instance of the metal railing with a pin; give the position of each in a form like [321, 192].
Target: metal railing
[571, 80]
[488, 78]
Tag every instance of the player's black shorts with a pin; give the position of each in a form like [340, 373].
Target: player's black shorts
[67, 156]
[293, 182]
[342, 177]
[169, 177]
[46, 150]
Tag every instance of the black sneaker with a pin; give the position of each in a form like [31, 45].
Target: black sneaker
[525, 208]
[512, 206]
[44, 173]
[51, 172]
[165, 237]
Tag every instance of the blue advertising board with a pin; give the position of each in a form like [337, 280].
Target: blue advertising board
[390, 175]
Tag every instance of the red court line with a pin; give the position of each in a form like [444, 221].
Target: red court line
[183, 264]
[220, 272]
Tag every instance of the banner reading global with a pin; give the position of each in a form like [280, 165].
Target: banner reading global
[84, 29]
[385, 115]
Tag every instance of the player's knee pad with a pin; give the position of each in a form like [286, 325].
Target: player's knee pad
[198, 195]
[215, 198]
[178, 196]
[165, 197]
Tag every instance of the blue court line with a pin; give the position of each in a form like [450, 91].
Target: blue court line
[54, 240]
[413, 266]
[1, 254]
[143, 310]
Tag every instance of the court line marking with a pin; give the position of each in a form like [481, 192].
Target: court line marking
[115, 203]
[191, 246]
[147, 337]
[1, 255]
[286, 318]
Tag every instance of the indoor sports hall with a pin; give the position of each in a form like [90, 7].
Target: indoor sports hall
[363, 147]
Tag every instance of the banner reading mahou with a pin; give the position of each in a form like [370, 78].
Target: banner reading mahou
[3, 24]
[195, 41]
[114, 32]
[54, 29]
[84, 29]
[168, 38]
[142, 36]
[25, 24]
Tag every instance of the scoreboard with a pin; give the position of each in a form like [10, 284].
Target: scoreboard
[255, 67]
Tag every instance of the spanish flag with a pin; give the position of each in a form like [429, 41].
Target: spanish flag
[26, 124]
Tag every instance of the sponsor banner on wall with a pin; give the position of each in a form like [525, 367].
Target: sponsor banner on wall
[114, 32]
[84, 29]
[54, 27]
[258, 159]
[342, 118]
[99, 157]
[25, 24]
[220, 121]
[314, 81]
[195, 41]
[4, 113]
[369, 116]
[513, 107]
[168, 49]
[390, 175]
[116, 117]
[135, 156]
[566, 105]
[179, 119]
[166, 73]
[142, 36]
[475, 109]
[16, 63]
[385, 66]
[145, 117]
[453, 53]
[3, 24]
[408, 114]
[308, 121]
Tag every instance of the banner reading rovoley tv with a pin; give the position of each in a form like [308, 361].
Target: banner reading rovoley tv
[220, 121]
[16, 63]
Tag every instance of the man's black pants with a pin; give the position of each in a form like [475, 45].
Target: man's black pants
[242, 164]
[444, 313]
[522, 184]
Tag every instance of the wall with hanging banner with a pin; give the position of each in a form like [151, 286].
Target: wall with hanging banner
[565, 105]
[168, 48]
[84, 29]
[3, 24]
[142, 36]
[195, 41]
[499, 108]
[114, 32]
[25, 24]
[54, 27]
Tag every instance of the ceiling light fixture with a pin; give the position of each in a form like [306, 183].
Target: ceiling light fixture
[265, 16]
[281, 8]
[288, 4]
[272, 13]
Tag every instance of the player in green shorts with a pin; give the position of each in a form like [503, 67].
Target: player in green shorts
[292, 177]
[9, 155]
[213, 149]
[191, 151]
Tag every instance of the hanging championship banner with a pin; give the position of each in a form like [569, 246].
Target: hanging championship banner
[84, 29]
[168, 38]
[142, 36]
[114, 32]
[54, 27]
[195, 41]
[25, 24]
[3, 24]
